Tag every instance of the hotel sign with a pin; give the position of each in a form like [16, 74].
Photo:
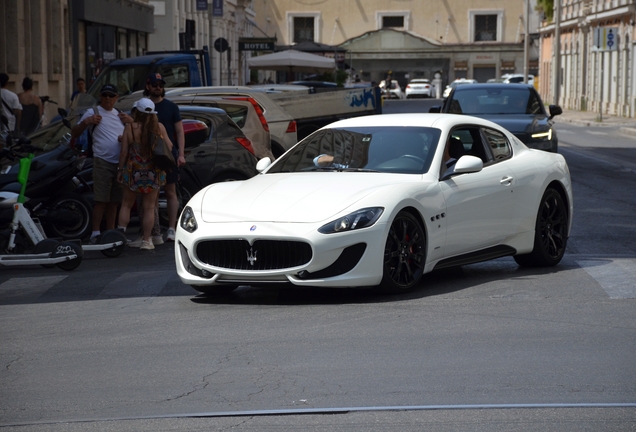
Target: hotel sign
[257, 44]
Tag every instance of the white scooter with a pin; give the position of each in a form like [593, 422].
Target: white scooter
[66, 255]
[47, 252]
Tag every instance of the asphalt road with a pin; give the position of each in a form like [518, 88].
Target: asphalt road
[121, 344]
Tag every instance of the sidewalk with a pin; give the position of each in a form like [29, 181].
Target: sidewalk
[626, 125]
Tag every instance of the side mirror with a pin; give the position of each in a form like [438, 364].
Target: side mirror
[262, 164]
[555, 110]
[465, 164]
[435, 109]
[62, 112]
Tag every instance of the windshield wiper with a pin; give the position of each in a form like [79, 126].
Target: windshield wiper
[321, 168]
[359, 170]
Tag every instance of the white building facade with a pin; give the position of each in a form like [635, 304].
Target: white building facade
[596, 57]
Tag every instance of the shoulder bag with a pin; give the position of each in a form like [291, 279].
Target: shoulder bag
[162, 155]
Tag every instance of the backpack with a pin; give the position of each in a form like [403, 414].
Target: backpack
[84, 142]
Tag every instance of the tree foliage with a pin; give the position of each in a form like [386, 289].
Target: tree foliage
[546, 8]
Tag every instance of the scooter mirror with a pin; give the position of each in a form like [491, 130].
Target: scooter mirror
[62, 112]
[67, 123]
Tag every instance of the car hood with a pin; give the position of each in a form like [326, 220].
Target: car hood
[518, 123]
[299, 197]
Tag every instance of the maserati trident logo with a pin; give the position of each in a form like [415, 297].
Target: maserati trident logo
[251, 256]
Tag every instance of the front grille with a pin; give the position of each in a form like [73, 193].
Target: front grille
[262, 255]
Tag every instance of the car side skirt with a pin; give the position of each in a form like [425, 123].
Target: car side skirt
[475, 257]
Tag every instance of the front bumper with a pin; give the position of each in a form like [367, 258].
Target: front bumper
[350, 259]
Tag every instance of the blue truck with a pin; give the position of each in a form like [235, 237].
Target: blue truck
[188, 68]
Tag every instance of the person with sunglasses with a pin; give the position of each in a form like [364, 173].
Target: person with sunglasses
[107, 125]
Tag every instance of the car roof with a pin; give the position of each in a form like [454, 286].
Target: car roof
[209, 110]
[279, 88]
[420, 80]
[493, 86]
[439, 121]
[271, 110]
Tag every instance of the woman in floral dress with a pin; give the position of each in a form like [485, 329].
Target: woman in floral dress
[136, 170]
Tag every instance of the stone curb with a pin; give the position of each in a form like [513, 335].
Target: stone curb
[624, 125]
[584, 122]
[631, 131]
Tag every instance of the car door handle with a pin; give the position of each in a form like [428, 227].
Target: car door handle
[506, 180]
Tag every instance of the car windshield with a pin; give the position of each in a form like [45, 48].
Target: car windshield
[390, 149]
[512, 100]
[458, 83]
[43, 140]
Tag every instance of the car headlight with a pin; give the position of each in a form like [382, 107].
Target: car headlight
[358, 219]
[188, 222]
[543, 136]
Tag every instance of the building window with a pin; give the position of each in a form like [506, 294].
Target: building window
[485, 26]
[303, 27]
[392, 21]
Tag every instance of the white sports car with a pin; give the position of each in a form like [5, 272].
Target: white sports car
[378, 201]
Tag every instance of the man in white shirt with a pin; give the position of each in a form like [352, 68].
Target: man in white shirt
[107, 128]
[11, 107]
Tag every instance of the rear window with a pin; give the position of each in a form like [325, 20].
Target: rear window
[235, 112]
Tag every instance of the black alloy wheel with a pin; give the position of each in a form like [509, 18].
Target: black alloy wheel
[404, 255]
[550, 236]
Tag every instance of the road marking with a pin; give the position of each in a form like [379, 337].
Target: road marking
[37, 285]
[137, 284]
[331, 410]
[617, 276]
[596, 132]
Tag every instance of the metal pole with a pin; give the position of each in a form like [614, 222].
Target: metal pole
[557, 50]
[526, 43]
[229, 65]
[599, 56]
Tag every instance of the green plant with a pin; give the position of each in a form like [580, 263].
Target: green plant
[546, 8]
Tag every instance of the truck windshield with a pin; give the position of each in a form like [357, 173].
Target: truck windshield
[127, 78]
[130, 78]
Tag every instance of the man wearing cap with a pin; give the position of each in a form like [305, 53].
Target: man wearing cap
[107, 125]
[170, 117]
